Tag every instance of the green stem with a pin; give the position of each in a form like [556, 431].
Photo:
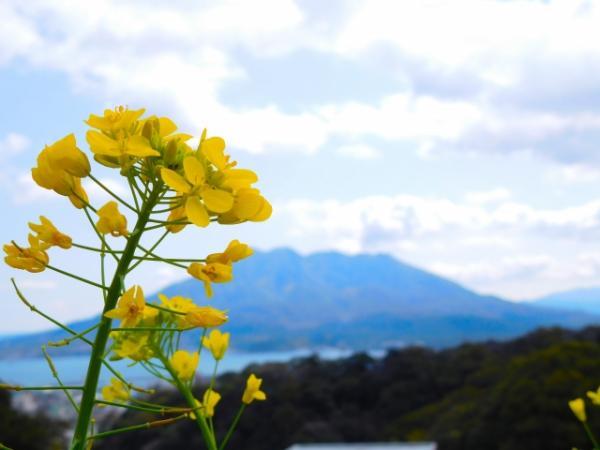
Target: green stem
[91, 381]
[100, 236]
[67, 341]
[62, 272]
[133, 194]
[112, 194]
[209, 438]
[143, 426]
[162, 410]
[45, 316]
[149, 251]
[57, 378]
[233, 426]
[591, 436]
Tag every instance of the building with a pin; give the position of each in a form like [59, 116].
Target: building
[368, 446]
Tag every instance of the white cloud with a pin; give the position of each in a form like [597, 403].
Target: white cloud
[359, 151]
[463, 82]
[12, 144]
[492, 244]
[485, 197]
[27, 191]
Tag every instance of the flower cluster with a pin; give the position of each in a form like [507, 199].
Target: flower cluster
[172, 186]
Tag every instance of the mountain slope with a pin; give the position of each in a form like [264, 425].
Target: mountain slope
[281, 300]
[585, 300]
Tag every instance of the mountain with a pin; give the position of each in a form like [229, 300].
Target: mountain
[281, 300]
[585, 300]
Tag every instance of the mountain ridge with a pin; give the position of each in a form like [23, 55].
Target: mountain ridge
[280, 300]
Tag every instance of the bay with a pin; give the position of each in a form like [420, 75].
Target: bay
[71, 369]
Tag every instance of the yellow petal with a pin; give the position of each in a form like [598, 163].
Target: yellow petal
[213, 148]
[167, 126]
[139, 146]
[175, 181]
[239, 178]
[217, 200]
[248, 205]
[196, 212]
[102, 144]
[265, 212]
[194, 171]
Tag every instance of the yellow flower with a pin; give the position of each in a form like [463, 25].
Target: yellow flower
[164, 128]
[209, 401]
[60, 168]
[213, 149]
[121, 118]
[217, 343]
[32, 259]
[184, 364]
[177, 215]
[252, 391]
[179, 304]
[111, 220]
[121, 146]
[578, 408]
[132, 345]
[200, 197]
[248, 205]
[130, 308]
[118, 140]
[234, 252]
[594, 396]
[49, 234]
[205, 317]
[212, 272]
[207, 407]
[116, 391]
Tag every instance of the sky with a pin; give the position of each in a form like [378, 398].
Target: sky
[460, 137]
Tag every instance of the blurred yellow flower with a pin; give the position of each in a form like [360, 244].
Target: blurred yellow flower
[111, 221]
[185, 364]
[132, 345]
[32, 259]
[179, 304]
[217, 343]
[578, 408]
[130, 307]
[594, 396]
[60, 168]
[205, 317]
[252, 391]
[234, 252]
[116, 391]
[49, 234]
[211, 273]
[209, 401]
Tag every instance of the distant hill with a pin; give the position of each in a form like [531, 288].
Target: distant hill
[585, 300]
[281, 300]
[485, 396]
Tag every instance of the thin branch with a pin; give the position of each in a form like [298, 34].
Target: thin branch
[58, 380]
[112, 194]
[143, 426]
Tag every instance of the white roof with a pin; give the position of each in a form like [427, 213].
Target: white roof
[368, 446]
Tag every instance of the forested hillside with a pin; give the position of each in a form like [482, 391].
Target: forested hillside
[508, 396]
